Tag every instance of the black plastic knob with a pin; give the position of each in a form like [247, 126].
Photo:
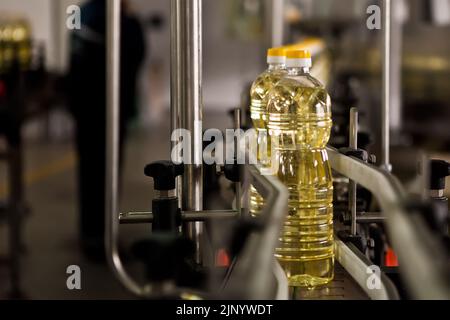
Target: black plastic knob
[164, 174]
[356, 153]
[439, 170]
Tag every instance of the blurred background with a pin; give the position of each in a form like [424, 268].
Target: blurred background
[52, 110]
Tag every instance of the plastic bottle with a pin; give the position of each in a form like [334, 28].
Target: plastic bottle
[276, 60]
[299, 125]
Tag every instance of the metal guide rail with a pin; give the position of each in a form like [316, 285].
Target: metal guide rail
[422, 260]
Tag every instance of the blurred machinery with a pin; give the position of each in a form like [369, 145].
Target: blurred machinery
[413, 108]
[391, 215]
[15, 56]
[24, 93]
[419, 70]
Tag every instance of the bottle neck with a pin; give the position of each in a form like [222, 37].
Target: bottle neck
[297, 71]
[277, 66]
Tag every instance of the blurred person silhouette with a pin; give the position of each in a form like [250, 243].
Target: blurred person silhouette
[87, 101]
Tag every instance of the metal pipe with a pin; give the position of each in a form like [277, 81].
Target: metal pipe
[354, 128]
[395, 52]
[370, 217]
[386, 94]
[237, 126]
[277, 22]
[175, 83]
[112, 148]
[147, 217]
[186, 104]
[352, 186]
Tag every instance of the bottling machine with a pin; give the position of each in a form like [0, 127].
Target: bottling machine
[375, 213]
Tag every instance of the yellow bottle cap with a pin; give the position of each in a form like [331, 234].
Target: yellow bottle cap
[276, 56]
[276, 52]
[298, 54]
[298, 59]
[314, 45]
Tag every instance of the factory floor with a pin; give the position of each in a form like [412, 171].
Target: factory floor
[50, 231]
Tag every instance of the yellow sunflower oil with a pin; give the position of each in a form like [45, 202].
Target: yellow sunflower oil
[299, 111]
[276, 60]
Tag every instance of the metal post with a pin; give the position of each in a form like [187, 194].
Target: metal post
[112, 147]
[276, 11]
[396, 48]
[385, 112]
[186, 103]
[237, 126]
[175, 81]
[353, 138]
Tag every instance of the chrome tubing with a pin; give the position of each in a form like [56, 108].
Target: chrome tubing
[395, 72]
[112, 150]
[175, 82]
[352, 186]
[276, 22]
[147, 217]
[187, 105]
[237, 126]
[420, 267]
[386, 84]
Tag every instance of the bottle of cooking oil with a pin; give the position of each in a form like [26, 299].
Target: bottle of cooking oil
[21, 37]
[299, 125]
[7, 46]
[276, 59]
[2, 63]
[15, 44]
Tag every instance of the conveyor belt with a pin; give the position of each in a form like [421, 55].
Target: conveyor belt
[343, 287]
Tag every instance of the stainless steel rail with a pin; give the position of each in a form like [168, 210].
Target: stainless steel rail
[186, 103]
[395, 52]
[352, 186]
[356, 264]
[370, 217]
[147, 217]
[238, 187]
[422, 262]
[391, 95]
[112, 149]
[275, 22]
[385, 117]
